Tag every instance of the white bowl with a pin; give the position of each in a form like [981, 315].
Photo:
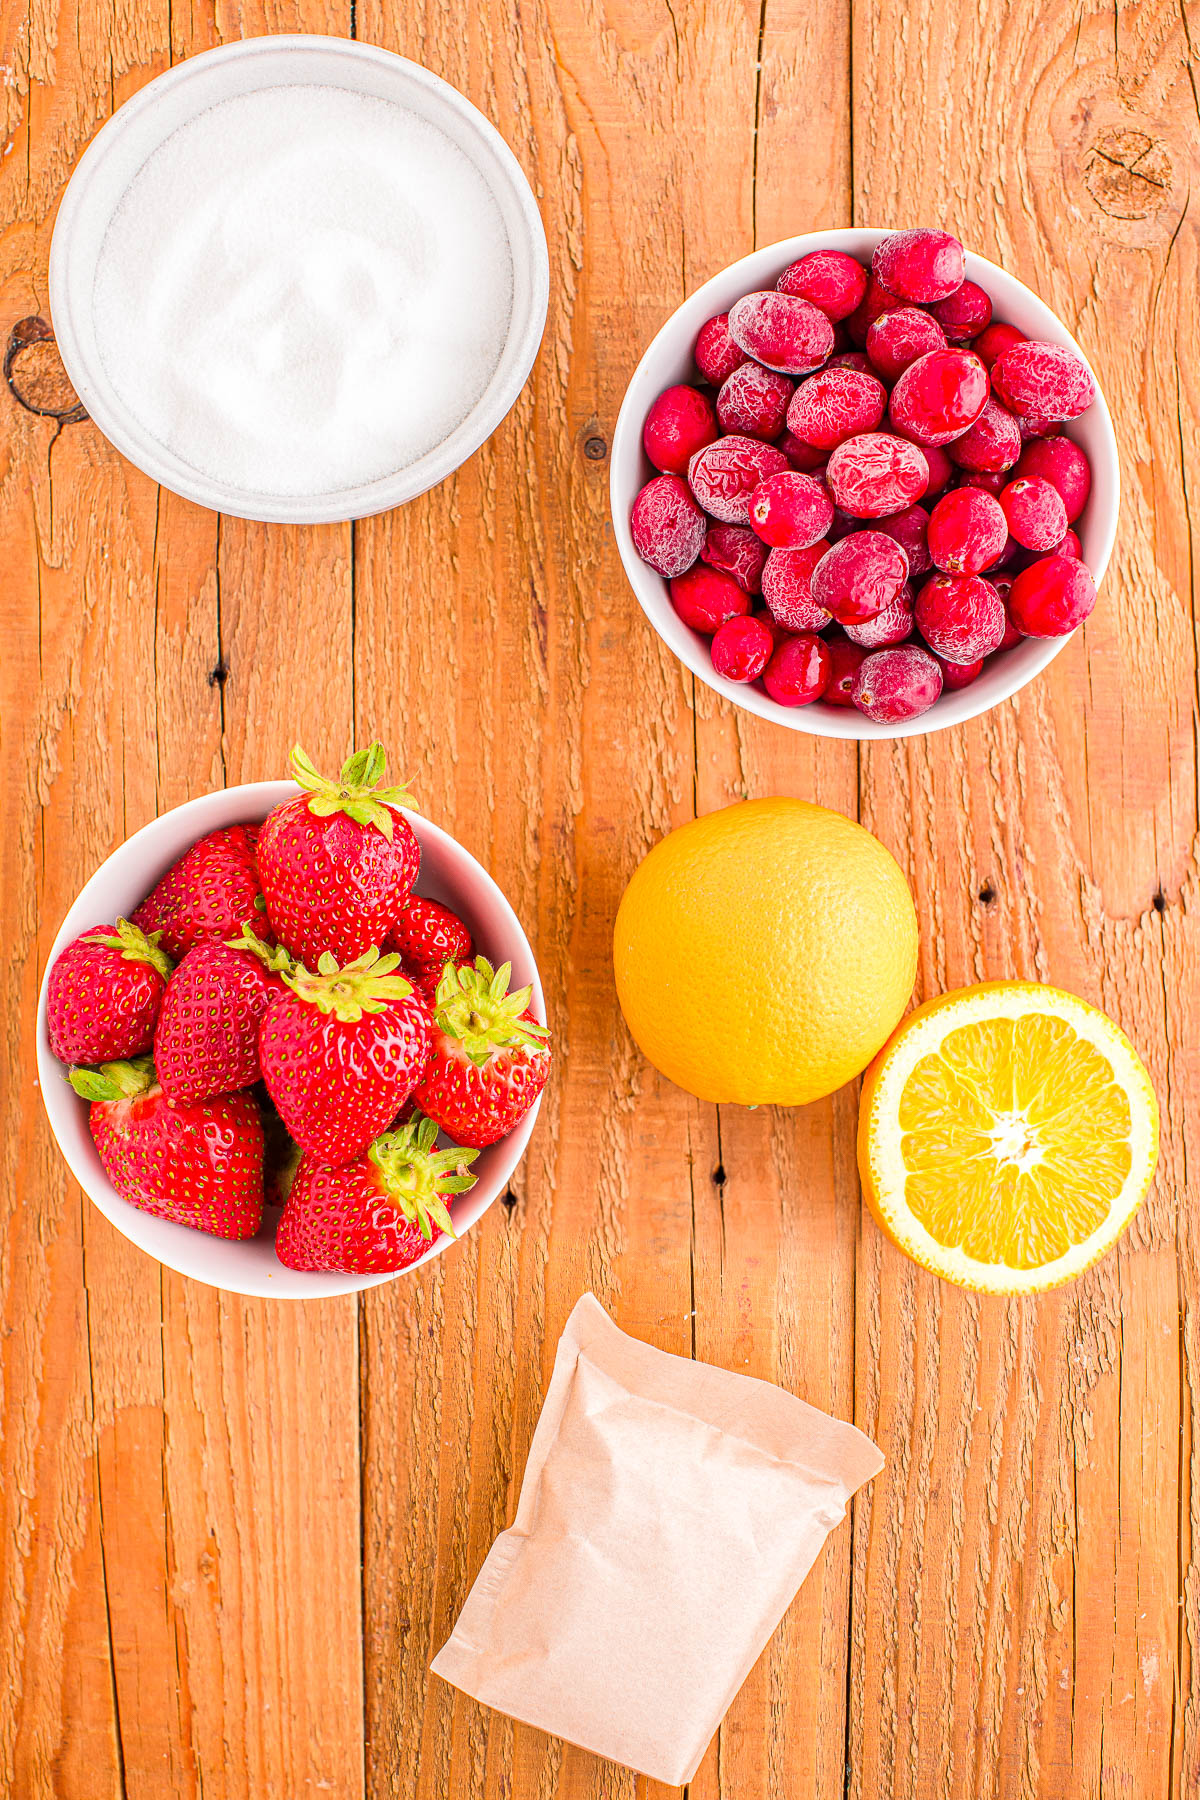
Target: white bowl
[136, 130]
[669, 360]
[448, 873]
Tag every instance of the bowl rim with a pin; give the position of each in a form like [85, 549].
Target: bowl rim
[531, 269]
[821, 720]
[254, 799]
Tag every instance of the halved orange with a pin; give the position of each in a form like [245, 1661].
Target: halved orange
[1007, 1135]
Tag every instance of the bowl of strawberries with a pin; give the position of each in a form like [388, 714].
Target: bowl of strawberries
[865, 483]
[291, 1035]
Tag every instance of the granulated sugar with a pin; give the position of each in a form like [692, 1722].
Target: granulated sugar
[303, 289]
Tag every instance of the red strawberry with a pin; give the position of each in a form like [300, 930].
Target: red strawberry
[378, 1213]
[104, 993]
[338, 862]
[209, 894]
[490, 1056]
[429, 936]
[207, 1036]
[342, 1052]
[200, 1164]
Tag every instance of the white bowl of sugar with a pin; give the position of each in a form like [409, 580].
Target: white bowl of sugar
[298, 279]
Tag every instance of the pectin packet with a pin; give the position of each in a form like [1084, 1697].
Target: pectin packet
[668, 1514]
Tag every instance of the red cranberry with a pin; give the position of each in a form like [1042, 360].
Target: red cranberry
[782, 331]
[995, 341]
[1064, 465]
[991, 481]
[787, 588]
[835, 404]
[798, 671]
[852, 359]
[845, 660]
[897, 338]
[940, 470]
[1012, 632]
[961, 617]
[680, 422]
[754, 400]
[878, 300]
[778, 634]
[920, 265]
[876, 474]
[954, 675]
[1035, 512]
[1070, 545]
[891, 626]
[667, 526]
[736, 551]
[1043, 381]
[830, 279]
[964, 313]
[910, 529]
[715, 352]
[897, 684]
[790, 511]
[991, 445]
[939, 396]
[742, 648]
[1052, 597]
[1033, 427]
[967, 531]
[857, 577]
[704, 598]
[723, 475]
[804, 457]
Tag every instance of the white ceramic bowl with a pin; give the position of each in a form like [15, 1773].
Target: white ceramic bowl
[669, 360]
[136, 130]
[448, 873]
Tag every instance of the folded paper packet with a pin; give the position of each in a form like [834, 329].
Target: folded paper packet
[669, 1512]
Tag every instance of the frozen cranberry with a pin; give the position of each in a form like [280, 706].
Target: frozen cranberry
[857, 577]
[667, 526]
[754, 401]
[782, 331]
[961, 617]
[790, 511]
[830, 279]
[805, 457]
[876, 474]
[992, 444]
[897, 684]
[798, 671]
[910, 529]
[835, 404]
[680, 422]
[1064, 465]
[1035, 512]
[741, 649]
[891, 626]
[967, 531]
[920, 265]
[878, 300]
[1034, 427]
[736, 551]
[845, 660]
[723, 475]
[1010, 557]
[1052, 597]
[939, 396]
[1043, 381]
[1012, 632]
[954, 675]
[787, 588]
[704, 598]
[992, 481]
[897, 338]
[778, 634]
[995, 341]
[940, 470]
[715, 352]
[1070, 545]
[964, 313]
[852, 359]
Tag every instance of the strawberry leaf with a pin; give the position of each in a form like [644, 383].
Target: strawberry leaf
[356, 793]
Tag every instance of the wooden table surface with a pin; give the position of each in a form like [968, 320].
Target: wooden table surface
[234, 1532]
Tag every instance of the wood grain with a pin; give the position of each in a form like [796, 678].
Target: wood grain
[235, 1532]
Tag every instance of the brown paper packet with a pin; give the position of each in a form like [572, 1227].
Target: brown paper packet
[668, 1514]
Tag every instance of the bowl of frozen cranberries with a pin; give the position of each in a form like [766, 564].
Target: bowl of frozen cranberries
[291, 1036]
[865, 483]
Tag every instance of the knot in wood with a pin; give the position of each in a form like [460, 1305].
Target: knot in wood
[35, 374]
[1128, 173]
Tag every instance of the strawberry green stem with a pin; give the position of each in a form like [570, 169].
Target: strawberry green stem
[475, 1006]
[417, 1176]
[134, 945]
[356, 792]
[114, 1080]
[272, 956]
[366, 985]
